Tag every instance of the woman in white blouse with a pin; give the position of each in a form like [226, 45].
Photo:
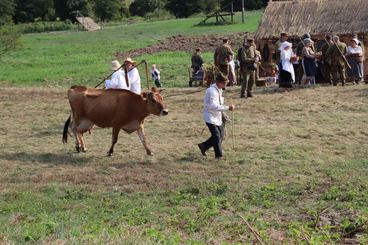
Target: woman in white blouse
[287, 75]
[355, 59]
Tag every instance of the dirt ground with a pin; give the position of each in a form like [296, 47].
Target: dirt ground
[187, 44]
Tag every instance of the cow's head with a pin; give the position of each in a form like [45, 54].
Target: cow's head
[155, 103]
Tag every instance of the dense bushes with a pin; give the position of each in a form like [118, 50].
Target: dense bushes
[43, 26]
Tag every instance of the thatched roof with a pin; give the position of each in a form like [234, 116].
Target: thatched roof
[297, 17]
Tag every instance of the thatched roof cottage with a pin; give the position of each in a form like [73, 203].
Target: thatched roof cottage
[317, 17]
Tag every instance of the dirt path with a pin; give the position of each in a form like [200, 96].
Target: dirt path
[186, 43]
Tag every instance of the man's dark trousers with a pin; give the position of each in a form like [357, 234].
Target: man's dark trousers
[217, 134]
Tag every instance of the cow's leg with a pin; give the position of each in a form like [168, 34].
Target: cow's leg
[115, 135]
[73, 127]
[83, 127]
[142, 137]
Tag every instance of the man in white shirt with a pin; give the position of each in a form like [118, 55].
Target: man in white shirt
[212, 115]
[133, 76]
[117, 80]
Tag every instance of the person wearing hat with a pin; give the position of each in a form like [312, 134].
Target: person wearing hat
[117, 80]
[248, 67]
[337, 60]
[212, 115]
[327, 75]
[309, 62]
[197, 60]
[133, 76]
[287, 75]
[222, 56]
[355, 58]
[299, 70]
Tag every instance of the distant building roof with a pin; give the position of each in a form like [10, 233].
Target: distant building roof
[297, 17]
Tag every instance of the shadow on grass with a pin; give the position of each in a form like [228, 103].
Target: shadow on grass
[47, 158]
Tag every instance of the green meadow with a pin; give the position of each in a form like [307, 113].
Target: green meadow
[61, 59]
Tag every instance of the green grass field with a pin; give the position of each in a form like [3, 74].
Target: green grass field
[66, 58]
[298, 172]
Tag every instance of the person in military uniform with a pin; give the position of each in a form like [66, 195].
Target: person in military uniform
[197, 60]
[248, 67]
[337, 60]
[326, 61]
[222, 56]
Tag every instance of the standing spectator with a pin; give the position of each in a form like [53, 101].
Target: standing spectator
[309, 62]
[212, 115]
[287, 75]
[326, 60]
[222, 56]
[133, 76]
[337, 60]
[155, 73]
[283, 38]
[248, 67]
[117, 80]
[197, 60]
[355, 59]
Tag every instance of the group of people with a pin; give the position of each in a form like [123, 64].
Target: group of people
[130, 81]
[334, 55]
[306, 63]
[247, 59]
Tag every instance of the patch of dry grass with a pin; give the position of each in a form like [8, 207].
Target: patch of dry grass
[294, 152]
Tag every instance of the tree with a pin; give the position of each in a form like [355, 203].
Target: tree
[184, 8]
[108, 10]
[30, 10]
[142, 7]
[9, 39]
[7, 10]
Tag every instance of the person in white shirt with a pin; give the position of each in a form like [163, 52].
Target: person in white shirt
[212, 115]
[117, 80]
[287, 75]
[133, 76]
[355, 58]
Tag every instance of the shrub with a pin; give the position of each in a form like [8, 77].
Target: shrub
[45, 26]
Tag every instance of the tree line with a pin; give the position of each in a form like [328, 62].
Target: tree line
[25, 11]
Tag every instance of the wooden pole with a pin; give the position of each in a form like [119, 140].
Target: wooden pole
[243, 11]
[232, 13]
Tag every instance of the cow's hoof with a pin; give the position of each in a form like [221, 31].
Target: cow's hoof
[149, 153]
[84, 150]
[78, 149]
[109, 154]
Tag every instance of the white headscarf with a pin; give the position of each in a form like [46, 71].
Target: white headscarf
[285, 45]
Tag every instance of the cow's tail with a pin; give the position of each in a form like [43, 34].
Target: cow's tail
[65, 132]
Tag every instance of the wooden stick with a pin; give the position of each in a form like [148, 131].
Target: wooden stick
[342, 55]
[146, 68]
[355, 229]
[232, 126]
[255, 233]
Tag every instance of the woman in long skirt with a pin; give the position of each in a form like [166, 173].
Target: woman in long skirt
[287, 75]
[355, 59]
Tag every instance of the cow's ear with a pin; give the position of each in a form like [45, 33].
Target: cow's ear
[154, 90]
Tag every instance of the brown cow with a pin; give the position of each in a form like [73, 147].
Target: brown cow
[116, 108]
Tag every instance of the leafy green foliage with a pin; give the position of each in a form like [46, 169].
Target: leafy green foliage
[142, 7]
[7, 9]
[9, 39]
[108, 10]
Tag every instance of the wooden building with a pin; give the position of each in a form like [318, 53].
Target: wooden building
[316, 17]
